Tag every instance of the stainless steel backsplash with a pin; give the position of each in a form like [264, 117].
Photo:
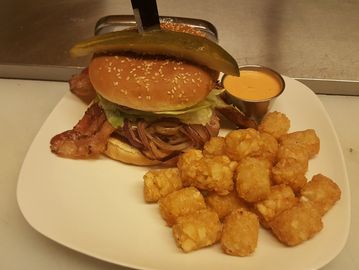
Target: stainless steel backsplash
[316, 41]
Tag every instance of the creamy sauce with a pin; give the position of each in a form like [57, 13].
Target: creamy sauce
[252, 85]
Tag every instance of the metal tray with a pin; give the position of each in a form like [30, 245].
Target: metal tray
[119, 22]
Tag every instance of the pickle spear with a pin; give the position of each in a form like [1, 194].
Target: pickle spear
[176, 44]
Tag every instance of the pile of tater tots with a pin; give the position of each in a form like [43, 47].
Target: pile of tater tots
[237, 183]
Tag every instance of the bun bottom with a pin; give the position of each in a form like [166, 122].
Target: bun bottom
[121, 151]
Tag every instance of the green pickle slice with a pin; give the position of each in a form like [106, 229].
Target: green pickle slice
[176, 44]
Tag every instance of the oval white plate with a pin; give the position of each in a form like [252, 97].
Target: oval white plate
[96, 206]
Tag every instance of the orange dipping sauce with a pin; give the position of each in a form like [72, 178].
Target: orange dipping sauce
[253, 85]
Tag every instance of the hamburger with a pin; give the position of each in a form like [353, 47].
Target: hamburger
[146, 108]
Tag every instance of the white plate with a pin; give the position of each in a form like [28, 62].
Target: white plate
[96, 206]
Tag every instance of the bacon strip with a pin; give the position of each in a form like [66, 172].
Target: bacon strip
[160, 140]
[80, 85]
[237, 117]
[87, 139]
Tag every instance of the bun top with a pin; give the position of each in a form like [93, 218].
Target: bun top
[148, 83]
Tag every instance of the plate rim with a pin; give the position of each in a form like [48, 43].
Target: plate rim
[139, 266]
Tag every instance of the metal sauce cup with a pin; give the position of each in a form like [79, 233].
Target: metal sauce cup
[254, 108]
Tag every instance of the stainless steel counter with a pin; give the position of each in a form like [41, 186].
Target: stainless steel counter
[302, 39]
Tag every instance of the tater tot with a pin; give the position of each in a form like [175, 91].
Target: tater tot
[295, 151]
[275, 123]
[297, 224]
[322, 192]
[269, 149]
[253, 179]
[208, 173]
[214, 147]
[307, 138]
[241, 143]
[159, 183]
[188, 165]
[240, 233]
[291, 172]
[179, 203]
[197, 230]
[223, 205]
[280, 198]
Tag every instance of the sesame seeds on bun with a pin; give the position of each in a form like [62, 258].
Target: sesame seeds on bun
[150, 83]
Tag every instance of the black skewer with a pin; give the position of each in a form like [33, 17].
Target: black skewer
[146, 15]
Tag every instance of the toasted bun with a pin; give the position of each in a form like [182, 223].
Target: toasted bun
[121, 151]
[150, 84]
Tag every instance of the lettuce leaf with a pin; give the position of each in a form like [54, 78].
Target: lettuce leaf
[200, 113]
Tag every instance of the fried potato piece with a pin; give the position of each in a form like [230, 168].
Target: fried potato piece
[297, 224]
[207, 173]
[186, 159]
[214, 147]
[275, 123]
[241, 143]
[322, 191]
[253, 179]
[223, 205]
[240, 233]
[269, 148]
[291, 172]
[197, 230]
[280, 198]
[179, 203]
[188, 165]
[295, 151]
[307, 138]
[159, 183]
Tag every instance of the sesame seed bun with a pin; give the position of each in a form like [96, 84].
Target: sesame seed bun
[150, 84]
